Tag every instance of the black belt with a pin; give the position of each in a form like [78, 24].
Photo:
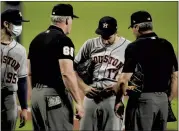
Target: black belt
[153, 92]
[103, 94]
[41, 86]
[5, 92]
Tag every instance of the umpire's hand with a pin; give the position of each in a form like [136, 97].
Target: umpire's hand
[23, 118]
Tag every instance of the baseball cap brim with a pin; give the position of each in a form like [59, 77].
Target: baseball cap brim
[25, 20]
[104, 33]
[21, 21]
[129, 26]
[74, 16]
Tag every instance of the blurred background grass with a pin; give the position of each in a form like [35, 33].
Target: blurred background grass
[164, 14]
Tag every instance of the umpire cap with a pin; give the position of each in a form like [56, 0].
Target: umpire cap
[107, 26]
[63, 10]
[12, 15]
[140, 17]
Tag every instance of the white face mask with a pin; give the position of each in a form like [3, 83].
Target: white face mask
[16, 30]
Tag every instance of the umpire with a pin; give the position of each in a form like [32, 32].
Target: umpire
[147, 108]
[51, 55]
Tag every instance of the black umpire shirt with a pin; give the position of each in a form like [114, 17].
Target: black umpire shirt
[44, 52]
[156, 58]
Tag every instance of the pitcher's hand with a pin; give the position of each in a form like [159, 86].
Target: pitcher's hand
[91, 92]
[79, 111]
[119, 109]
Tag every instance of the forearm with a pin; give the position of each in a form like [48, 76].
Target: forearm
[71, 84]
[174, 86]
[29, 80]
[29, 86]
[81, 83]
[120, 92]
[122, 85]
[22, 92]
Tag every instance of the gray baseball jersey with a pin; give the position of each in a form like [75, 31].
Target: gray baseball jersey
[108, 59]
[13, 65]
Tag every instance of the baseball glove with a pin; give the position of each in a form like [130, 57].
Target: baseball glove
[171, 116]
[85, 71]
[119, 109]
[136, 81]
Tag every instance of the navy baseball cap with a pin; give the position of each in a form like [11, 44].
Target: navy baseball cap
[63, 10]
[140, 17]
[12, 15]
[107, 26]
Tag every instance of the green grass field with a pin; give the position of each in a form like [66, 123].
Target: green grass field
[164, 20]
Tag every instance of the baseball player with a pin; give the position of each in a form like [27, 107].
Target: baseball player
[106, 54]
[14, 5]
[13, 70]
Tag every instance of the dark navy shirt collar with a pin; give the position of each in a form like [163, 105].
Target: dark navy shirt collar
[56, 28]
[148, 35]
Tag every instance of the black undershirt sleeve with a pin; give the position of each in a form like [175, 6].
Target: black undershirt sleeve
[22, 92]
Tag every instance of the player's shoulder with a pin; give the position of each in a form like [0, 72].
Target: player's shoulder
[20, 47]
[125, 42]
[93, 42]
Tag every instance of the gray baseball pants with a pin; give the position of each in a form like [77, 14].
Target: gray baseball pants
[50, 112]
[148, 112]
[9, 112]
[100, 116]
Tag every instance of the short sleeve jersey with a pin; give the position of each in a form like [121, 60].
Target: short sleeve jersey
[44, 53]
[157, 59]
